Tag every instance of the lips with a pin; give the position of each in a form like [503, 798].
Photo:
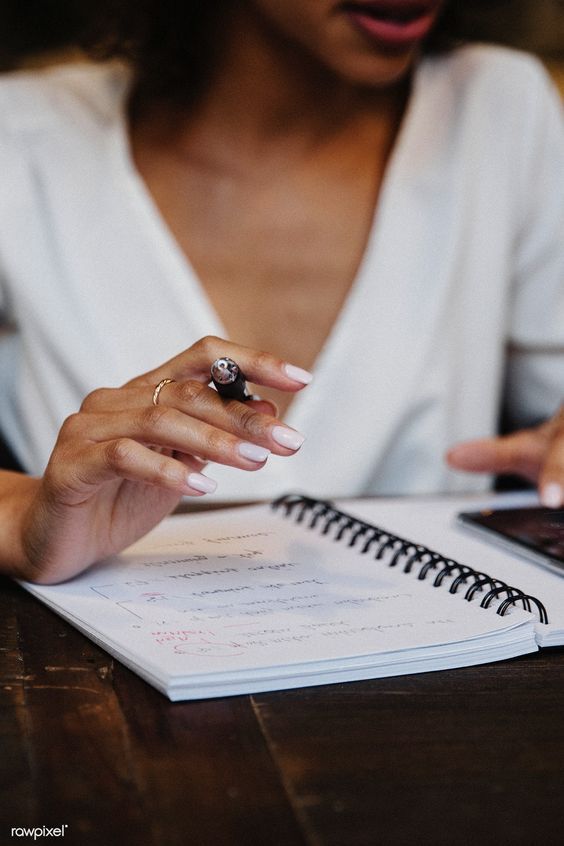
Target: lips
[392, 23]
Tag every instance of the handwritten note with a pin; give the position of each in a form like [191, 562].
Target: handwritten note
[246, 594]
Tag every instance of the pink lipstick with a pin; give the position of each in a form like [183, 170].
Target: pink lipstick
[393, 24]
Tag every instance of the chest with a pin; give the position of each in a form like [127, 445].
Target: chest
[277, 264]
[276, 253]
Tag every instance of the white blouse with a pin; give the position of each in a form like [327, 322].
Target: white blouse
[460, 291]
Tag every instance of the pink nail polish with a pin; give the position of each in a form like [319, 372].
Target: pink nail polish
[551, 495]
[298, 374]
[201, 483]
[286, 437]
[253, 452]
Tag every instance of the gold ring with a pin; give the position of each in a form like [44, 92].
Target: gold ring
[159, 388]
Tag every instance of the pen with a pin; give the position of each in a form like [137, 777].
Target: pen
[228, 379]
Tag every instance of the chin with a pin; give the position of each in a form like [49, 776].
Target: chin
[374, 71]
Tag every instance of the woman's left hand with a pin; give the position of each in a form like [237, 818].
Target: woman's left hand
[536, 454]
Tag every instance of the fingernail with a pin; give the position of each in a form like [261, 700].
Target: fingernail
[551, 495]
[253, 452]
[287, 437]
[298, 374]
[201, 483]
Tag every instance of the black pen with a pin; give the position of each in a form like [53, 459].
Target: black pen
[229, 380]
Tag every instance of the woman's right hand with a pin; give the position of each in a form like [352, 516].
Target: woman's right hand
[121, 463]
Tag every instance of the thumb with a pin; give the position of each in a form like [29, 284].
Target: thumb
[521, 453]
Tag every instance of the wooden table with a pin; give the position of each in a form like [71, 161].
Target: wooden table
[471, 756]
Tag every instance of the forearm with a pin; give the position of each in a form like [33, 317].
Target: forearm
[17, 492]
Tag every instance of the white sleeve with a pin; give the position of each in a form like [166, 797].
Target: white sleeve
[3, 283]
[535, 364]
[8, 189]
[3, 315]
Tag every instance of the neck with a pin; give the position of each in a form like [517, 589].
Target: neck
[265, 92]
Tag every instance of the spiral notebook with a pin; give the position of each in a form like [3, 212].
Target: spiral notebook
[302, 593]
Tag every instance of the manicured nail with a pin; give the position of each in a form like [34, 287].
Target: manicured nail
[297, 374]
[253, 452]
[287, 437]
[552, 496]
[201, 483]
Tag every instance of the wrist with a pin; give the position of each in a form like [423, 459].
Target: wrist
[18, 493]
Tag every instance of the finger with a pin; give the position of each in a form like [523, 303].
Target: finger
[259, 367]
[124, 458]
[244, 420]
[263, 407]
[191, 461]
[166, 427]
[551, 477]
[116, 399]
[521, 453]
[113, 399]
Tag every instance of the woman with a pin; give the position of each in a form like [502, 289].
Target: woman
[293, 176]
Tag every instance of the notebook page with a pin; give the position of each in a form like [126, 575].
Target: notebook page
[248, 592]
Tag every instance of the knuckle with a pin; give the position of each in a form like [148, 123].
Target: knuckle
[95, 399]
[207, 344]
[190, 391]
[250, 422]
[263, 361]
[153, 418]
[119, 453]
[72, 426]
[215, 442]
[164, 472]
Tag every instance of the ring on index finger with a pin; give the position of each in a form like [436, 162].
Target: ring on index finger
[158, 389]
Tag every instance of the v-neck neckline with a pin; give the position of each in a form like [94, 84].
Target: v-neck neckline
[190, 288]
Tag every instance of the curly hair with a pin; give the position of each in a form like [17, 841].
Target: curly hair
[170, 42]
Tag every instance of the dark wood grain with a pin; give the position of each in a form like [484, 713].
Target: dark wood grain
[473, 755]
[204, 771]
[467, 756]
[74, 744]
[89, 744]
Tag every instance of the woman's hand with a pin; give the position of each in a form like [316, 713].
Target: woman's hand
[121, 463]
[536, 454]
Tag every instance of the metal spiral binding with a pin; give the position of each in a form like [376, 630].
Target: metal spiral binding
[341, 527]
